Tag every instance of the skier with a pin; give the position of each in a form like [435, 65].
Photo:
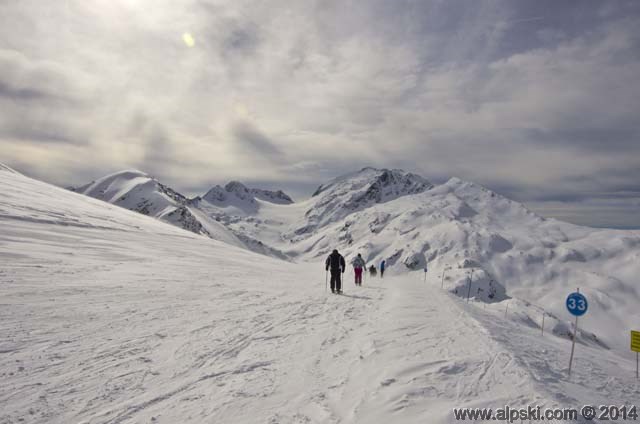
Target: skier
[358, 266]
[335, 263]
[372, 271]
[382, 264]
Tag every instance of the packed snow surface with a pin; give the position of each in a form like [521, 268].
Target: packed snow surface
[110, 316]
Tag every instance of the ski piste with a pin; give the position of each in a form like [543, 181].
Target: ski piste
[111, 316]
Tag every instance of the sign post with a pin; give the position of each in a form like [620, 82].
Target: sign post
[469, 290]
[425, 273]
[577, 305]
[444, 271]
[635, 346]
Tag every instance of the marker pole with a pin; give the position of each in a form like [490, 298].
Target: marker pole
[543, 313]
[573, 345]
[326, 280]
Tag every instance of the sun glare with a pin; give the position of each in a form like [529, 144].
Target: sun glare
[188, 39]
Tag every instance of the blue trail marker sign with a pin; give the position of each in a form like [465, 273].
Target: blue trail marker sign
[577, 305]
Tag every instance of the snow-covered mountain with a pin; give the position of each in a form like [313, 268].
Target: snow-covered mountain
[237, 199]
[232, 199]
[110, 316]
[462, 227]
[284, 225]
[137, 191]
[405, 220]
[279, 197]
[353, 192]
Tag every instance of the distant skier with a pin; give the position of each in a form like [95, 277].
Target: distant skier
[382, 265]
[372, 271]
[358, 267]
[335, 263]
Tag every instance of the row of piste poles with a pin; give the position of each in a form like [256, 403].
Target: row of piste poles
[470, 280]
[577, 311]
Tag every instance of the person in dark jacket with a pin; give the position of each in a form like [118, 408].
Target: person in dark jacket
[336, 265]
[372, 270]
[383, 264]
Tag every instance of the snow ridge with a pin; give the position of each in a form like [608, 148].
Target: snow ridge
[137, 191]
[5, 168]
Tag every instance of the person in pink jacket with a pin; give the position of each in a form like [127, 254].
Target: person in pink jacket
[358, 268]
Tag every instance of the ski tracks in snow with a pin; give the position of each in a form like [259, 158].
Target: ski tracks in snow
[167, 347]
[416, 356]
[599, 376]
[161, 334]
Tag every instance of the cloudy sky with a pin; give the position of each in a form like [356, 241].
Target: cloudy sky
[538, 100]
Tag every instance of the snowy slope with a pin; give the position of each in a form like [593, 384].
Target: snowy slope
[109, 316]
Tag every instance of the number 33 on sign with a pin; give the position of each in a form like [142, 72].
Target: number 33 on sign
[577, 304]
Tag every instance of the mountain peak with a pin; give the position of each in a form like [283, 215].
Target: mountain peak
[113, 186]
[358, 190]
[137, 191]
[219, 195]
[236, 186]
[369, 176]
[278, 196]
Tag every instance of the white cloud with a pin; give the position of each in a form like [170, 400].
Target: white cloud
[485, 92]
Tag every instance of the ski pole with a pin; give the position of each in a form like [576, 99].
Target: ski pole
[326, 279]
